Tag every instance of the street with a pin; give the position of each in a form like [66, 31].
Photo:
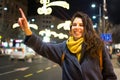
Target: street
[38, 69]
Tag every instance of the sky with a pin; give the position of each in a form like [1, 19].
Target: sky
[76, 5]
[114, 11]
[113, 8]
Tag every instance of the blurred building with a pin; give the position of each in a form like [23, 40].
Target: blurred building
[9, 13]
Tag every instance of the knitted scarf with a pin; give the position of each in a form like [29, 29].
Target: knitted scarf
[75, 46]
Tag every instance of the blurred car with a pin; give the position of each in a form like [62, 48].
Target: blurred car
[2, 49]
[8, 51]
[20, 53]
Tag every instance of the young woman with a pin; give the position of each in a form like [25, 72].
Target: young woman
[82, 50]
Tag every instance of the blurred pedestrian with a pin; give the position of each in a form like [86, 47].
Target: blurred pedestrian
[82, 50]
[111, 51]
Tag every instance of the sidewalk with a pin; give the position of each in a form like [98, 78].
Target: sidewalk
[116, 66]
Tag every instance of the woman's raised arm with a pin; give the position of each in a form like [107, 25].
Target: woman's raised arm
[22, 21]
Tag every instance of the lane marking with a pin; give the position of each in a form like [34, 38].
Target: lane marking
[39, 71]
[54, 65]
[47, 68]
[15, 70]
[28, 75]
[7, 72]
[22, 69]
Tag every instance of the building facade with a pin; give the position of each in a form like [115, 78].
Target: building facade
[9, 13]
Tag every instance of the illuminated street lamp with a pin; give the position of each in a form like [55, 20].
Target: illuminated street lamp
[102, 15]
[93, 17]
[5, 8]
[99, 14]
[94, 6]
[46, 9]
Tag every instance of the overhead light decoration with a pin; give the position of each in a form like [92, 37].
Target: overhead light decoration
[65, 25]
[46, 9]
[34, 26]
[48, 33]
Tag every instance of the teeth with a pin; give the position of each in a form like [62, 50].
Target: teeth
[77, 32]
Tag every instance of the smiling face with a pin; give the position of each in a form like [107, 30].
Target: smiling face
[77, 28]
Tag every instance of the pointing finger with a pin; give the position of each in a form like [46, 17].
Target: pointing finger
[22, 13]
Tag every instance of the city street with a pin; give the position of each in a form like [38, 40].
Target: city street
[38, 69]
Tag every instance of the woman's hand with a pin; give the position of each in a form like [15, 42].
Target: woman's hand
[22, 21]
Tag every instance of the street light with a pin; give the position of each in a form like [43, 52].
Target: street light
[93, 5]
[94, 17]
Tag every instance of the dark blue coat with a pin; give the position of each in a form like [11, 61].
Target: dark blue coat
[87, 69]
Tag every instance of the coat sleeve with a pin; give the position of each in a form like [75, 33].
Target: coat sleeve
[108, 71]
[50, 51]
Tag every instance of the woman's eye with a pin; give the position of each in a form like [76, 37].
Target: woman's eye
[80, 24]
[74, 24]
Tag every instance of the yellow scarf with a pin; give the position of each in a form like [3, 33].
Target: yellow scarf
[75, 46]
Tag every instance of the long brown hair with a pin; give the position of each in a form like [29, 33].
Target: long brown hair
[91, 39]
